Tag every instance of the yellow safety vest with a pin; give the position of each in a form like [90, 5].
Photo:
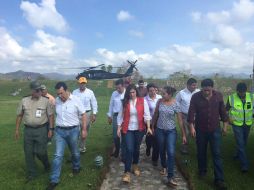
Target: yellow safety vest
[239, 113]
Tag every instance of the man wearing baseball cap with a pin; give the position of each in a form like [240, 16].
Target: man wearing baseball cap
[90, 103]
[37, 114]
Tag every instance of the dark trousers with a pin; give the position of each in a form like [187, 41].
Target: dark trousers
[151, 142]
[133, 140]
[35, 144]
[214, 139]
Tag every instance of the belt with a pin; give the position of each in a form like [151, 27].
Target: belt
[88, 111]
[115, 114]
[36, 126]
[67, 128]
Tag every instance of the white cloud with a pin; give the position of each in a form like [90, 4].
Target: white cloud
[124, 16]
[136, 33]
[219, 17]
[227, 35]
[163, 62]
[9, 47]
[226, 27]
[244, 10]
[51, 46]
[43, 55]
[44, 15]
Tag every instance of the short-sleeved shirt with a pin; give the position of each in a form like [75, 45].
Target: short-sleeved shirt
[35, 111]
[166, 118]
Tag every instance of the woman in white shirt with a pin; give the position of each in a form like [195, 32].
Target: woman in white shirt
[131, 122]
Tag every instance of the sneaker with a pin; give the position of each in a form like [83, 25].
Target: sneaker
[126, 177]
[170, 182]
[51, 186]
[163, 172]
[82, 150]
[136, 170]
[220, 185]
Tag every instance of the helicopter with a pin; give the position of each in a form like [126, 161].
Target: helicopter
[99, 74]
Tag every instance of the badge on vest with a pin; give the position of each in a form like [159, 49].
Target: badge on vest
[38, 113]
[248, 105]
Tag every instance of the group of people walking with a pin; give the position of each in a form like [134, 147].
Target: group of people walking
[135, 112]
[74, 111]
[198, 113]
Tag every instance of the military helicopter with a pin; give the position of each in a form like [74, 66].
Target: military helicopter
[99, 74]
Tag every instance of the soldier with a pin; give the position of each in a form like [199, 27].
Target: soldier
[37, 114]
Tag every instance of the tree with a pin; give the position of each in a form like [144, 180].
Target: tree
[109, 68]
[103, 68]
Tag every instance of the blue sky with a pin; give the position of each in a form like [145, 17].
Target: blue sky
[165, 36]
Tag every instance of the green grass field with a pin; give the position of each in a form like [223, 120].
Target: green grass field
[12, 166]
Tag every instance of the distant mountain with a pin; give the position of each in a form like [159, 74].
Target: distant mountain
[21, 75]
[224, 74]
[58, 76]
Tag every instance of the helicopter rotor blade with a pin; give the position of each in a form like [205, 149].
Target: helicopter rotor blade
[86, 68]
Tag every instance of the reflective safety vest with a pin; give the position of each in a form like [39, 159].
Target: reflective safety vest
[239, 113]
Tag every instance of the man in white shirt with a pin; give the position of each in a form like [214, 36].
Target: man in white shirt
[90, 103]
[113, 110]
[68, 112]
[183, 98]
[151, 142]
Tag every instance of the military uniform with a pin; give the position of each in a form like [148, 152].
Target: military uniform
[35, 113]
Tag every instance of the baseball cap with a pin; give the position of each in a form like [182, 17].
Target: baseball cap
[43, 87]
[82, 80]
[35, 85]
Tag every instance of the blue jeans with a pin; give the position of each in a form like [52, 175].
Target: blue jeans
[133, 140]
[167, 140]
[202, 140]
[63, 137]
[241, 137]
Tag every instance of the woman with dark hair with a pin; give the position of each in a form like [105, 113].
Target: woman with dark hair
[165, 132]
[131, 122]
